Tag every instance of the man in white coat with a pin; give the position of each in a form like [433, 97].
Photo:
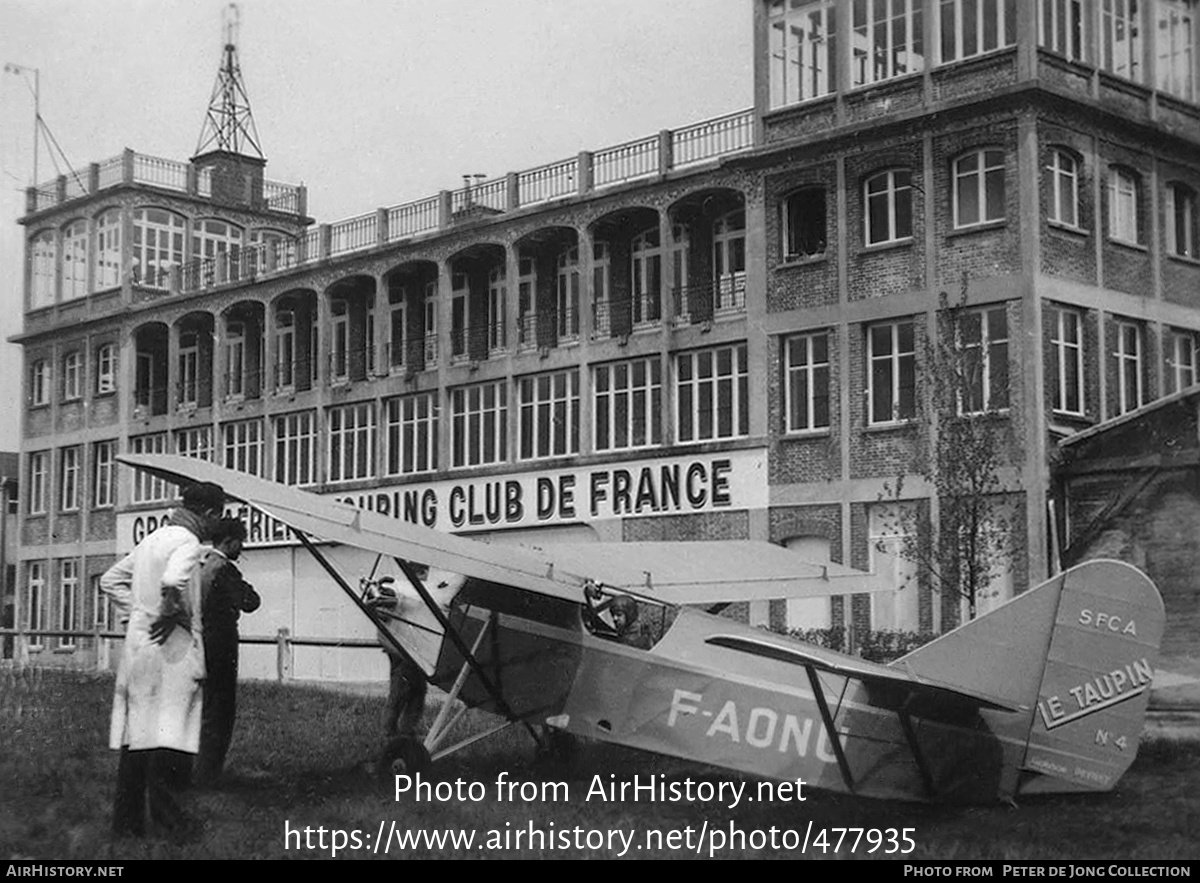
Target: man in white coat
[156, 707]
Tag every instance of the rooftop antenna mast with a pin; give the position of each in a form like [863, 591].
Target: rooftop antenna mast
[229, 123]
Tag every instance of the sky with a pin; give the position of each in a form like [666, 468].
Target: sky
[368, 103]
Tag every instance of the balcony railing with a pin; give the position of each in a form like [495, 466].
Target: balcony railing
[475, 342]
[625, 162]
[547, 328]
[702, 302]
[352, 364]
[292, 376]
[411, 355]
[622, 314]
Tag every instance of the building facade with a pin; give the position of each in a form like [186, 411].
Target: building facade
[715, 332]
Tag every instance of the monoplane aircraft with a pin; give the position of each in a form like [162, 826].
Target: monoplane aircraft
[1046, 693]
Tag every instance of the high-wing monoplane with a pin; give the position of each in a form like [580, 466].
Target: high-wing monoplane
[1047, 693]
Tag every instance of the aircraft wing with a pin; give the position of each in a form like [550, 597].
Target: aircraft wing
[889, 687]
[675, 573]
[710, 572]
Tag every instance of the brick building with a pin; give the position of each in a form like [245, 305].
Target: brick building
[712, 332]
[1129, 489]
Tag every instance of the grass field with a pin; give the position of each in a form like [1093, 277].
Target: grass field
[301, 756]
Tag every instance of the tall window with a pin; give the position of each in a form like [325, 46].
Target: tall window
[888, 39]
[157, 246]
[339, 340]
[235, 360]
[107, 256]
[601, 286]
[1181, 220]
[1061, 27]
[430, 323]
[1064, 188]
[803, 39]
[646, 273]
[189, 368]
[397, 333]
[627, 401]
[1181, 359]
[106, 368]
[75, 260]
[243, 446]
[729, 260]
[103, 490]
[411, 434]
[39, 474]
[212, 240]
[149, 488]
[549, 414]
[1066, 348]
[39, 382]
[527, 322]
[892, 378]
[72, 376]
[296, 448]
[68, 478]
[45, 259]
[712, 394]
[352, 442]
[983, 347]
[568, 294]
[973, 27]
[68, 601]
[460, 303]
[1121, 38]
[979, 188]
[195, 442]
[803, 224]
[285, 350]
[497, 335]
[888, 196]
[1174, 41]
[1123, 206]
[37, 602]
[1129, 366]
[479, 424]
[806, 382]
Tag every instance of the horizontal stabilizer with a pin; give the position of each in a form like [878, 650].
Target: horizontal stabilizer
[888, 687]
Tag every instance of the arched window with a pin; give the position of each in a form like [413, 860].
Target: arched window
[1123, 206]
[75, 260]
[157, 246]
[1063, 170]
[803, 224]
[212, 238]
[979, 187]
[107, 253]
[497, 336]
[44, 254]
[888, 200]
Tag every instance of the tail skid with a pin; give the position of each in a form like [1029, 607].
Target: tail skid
[1079, 653]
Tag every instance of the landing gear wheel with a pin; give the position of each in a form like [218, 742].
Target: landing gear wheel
[404, 756]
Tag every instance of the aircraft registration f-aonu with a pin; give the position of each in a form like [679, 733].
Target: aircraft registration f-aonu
[1045, 694]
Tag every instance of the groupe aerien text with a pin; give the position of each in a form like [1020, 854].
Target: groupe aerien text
[640, 789]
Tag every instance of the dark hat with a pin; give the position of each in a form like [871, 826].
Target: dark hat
[228, 529]
[627, 606]
[203, 496]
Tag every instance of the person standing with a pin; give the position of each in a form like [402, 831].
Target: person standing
[157, 702]
[225, 596]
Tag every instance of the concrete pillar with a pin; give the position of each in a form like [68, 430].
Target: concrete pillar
[381, 226]
[127, 166]
[666, 152]
[512, 191]
[585, 172]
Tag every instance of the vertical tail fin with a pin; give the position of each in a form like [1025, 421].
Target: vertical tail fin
[1079, 652]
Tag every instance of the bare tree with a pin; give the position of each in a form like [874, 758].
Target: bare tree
[962, 447]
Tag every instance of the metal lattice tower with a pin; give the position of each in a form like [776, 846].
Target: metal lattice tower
[229, 123]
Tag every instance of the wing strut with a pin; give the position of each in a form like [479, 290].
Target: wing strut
[922, 767]
[834, 739]
[461, 646]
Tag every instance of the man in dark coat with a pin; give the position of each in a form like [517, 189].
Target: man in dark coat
[224, 597]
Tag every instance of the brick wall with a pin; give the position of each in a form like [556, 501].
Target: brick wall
[880, 270]
[809, 282]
